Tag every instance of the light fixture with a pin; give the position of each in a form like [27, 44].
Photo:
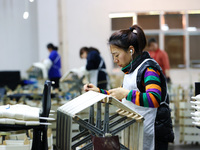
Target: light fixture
[191, 28]
[165, 27]
[31, 0]
[26, 15]
[121, 15]
[154, 12]
[194, 12]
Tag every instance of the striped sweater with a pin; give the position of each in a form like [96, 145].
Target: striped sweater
[152, 95]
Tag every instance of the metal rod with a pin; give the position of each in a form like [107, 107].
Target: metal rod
[122, 147]
[113, 116]
[106, 119]
[87, 147]
[123, 127]
[98, 116]
[88, 126]
[91, 115]
[117, 122]
[79, 135]
[87, 138]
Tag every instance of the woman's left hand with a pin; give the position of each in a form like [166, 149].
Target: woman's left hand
[119, 93]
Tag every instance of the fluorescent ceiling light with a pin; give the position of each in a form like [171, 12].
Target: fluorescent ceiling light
[192, 29]
[26, 15]
[165, 27]
[154, 12]
[194, 11]
[121, 15]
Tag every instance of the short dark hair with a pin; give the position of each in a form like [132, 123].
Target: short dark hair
[87, 50]
[51, 46]
[133, 36]
[151, 40]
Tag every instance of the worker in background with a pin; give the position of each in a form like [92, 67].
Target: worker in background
[96, 66]
[53, 64]
[160, 56]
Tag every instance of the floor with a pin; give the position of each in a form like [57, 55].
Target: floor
[184, 147]
[180, 146]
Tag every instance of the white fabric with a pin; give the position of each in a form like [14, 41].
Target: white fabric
[20, 112]
[149, 114]
[93, 74]
[42, 66]
[47, 63]
[18, 122]
[21, 115]
[79, 71]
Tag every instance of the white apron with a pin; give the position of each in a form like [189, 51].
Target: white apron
[149, 114]
[93, 74]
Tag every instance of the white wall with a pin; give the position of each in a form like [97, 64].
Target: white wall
[89, 24]
[24, 41]
[17, 36]
[47, 22]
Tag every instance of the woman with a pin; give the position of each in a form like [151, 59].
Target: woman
[53, 64]
[96, 66]
[144, 86]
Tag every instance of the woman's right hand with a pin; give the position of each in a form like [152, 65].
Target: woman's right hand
[90, 87]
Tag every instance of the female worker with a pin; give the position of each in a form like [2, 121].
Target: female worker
[53, 64]
[144, 86]
[96, 66]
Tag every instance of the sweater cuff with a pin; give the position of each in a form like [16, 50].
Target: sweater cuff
[129, 96]
[104, 91]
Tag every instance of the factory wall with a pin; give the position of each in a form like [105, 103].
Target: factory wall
[87, 23]
[23, 41]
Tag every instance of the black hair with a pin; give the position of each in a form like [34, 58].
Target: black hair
[88, 49]
[151, 40]
[51, 46]
[133, 36]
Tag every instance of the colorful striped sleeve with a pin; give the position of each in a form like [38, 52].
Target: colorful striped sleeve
[152, 95]
[104, 91]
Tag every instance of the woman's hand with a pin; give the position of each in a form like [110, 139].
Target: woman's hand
[119, 93]
[90, 87]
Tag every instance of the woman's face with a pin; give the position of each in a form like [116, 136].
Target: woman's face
[120, 57]
[84, 55]
[49, 49]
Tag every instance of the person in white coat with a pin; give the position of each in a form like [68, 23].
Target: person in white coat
[144, 86]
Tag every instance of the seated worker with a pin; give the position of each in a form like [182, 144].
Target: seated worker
[96, 66]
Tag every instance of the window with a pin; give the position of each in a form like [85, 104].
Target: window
[174, 21]
[178, 33]
[148, 21]
[194, 20]
[174, 46]
[194, 51]
[121, 23]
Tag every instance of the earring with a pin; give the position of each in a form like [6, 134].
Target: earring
[131, 51]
